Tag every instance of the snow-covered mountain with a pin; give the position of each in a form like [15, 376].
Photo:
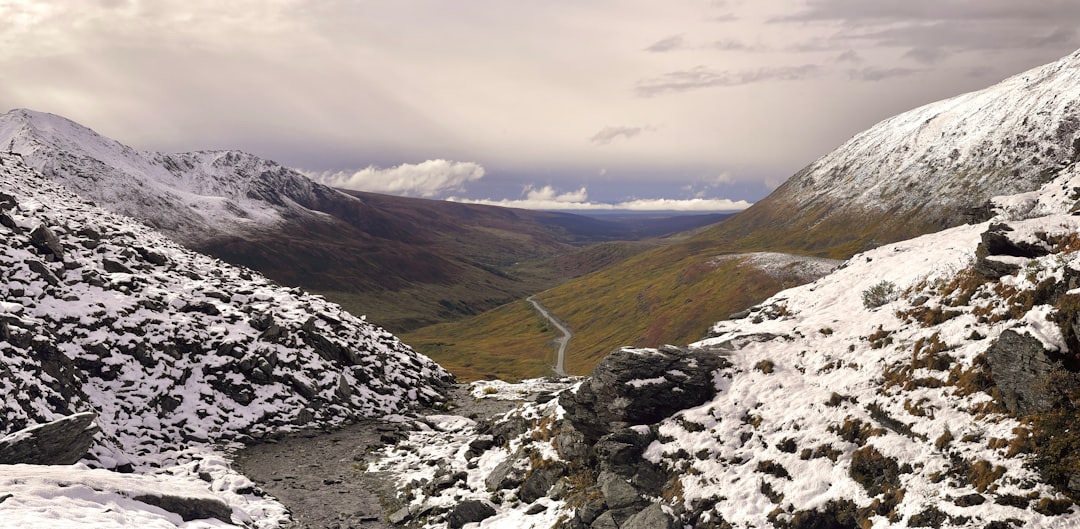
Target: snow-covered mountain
[169, 347]
[934, 166]
[192, 197]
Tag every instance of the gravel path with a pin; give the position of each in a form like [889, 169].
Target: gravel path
[320, 476]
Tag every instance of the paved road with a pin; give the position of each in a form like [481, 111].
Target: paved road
[560, 363]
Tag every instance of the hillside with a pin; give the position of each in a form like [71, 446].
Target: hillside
[174, 353]
[932, 382]
[919, 172]
[403, 262]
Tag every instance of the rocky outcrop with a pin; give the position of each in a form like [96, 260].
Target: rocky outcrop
[999, 255]
[61, 442]
[189, 508]
[1029, 377]
[641, 386]
[469, 511]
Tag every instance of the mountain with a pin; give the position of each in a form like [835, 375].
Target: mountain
[168, 347]
[403, 262]
[922, 171]
[932, 382]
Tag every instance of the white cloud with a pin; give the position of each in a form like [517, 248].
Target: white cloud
[547, 198]
[428, 179]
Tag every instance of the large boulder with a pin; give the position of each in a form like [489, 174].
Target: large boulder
[61, 442]
[469, 511]
[1030, 377]
[641, 386]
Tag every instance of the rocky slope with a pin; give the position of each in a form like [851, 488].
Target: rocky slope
[174, 351]
[933, 382]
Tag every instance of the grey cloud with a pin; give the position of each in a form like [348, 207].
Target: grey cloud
[703, 77]
[934, 10]
[880, 74]
[610, 134]
[726, 17]
[671, 43]
[733, 45]
[934, 28]
[926, 54]
[849, 56]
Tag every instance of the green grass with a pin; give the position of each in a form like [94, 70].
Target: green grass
[668, 295]
[509, 343]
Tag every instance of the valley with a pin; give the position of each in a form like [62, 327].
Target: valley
[891, 338]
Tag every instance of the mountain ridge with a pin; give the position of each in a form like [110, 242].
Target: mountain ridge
[403, 262]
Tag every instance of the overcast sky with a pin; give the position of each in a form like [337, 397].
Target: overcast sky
[560, 103]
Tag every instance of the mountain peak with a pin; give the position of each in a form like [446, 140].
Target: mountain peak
[926, 169]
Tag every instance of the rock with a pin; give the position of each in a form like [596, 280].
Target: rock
[9, 223]
[970, 500]
[570, 444]
[620, 451]
[479, 445]
[190, 508]
[996, 243]
[652, 517]
[114, 267]
[539, 482]
[43, 271]
[618, 494]
[641, 386]
[46, 243]
[61, 442]
[604, 521]
[536, 509]
[400, 516]
[1023, 370]
[505, 475]
[469, 511]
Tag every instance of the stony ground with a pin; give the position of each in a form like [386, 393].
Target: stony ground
[321, 477]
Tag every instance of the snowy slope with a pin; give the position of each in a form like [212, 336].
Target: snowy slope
[934, 166]
[839, 412]
[191, 197]
[171, 348]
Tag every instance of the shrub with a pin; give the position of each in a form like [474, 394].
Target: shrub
[879, 295]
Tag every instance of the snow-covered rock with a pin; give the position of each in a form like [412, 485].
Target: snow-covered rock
[170, 348]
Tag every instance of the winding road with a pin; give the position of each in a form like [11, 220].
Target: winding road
[560, 363]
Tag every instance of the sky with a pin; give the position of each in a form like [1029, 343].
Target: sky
[562, 104]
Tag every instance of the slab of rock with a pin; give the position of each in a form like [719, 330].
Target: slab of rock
[1028, 375]
[652, 517]
[641, 386]
[61, 442]
[469, 511]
